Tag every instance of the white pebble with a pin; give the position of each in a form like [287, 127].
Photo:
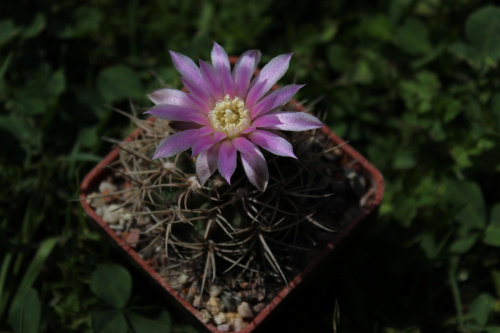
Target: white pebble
[214, 290]
[112, 213]
[224, 328]
[220, 318]
[107, 186]
[244, 310]
[95, 200]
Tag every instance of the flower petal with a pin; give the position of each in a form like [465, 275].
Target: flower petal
[170, 96]
[272, 142]
[206, 130]
[172, 112]
[176, 143]
[221, 64]
[243, 71]
[187, 68]
[206, 163]
[212, 80]
[203, 143]
[249, 129]
[243, 145]
[227, 160]
[203, 105]
[255, 166]
[199, 92]
[275, 99]
[254, 95]
[266, 121]
[219, 136]
[288, 121]
[253, 162]
[271, 73]
[199, 118]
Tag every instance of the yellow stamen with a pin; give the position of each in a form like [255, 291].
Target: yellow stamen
[230, 116]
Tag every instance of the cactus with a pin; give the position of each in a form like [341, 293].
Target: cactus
[232, 238]
[230, 241]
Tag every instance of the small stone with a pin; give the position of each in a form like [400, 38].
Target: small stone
[127, 217]
[131, 237]
[220, 318]
[112, 213]
[107, 187]
[224, 328]
[99, 211]
[205, 316]
[178, 282]
[214, 305]
[200, 301]
[239, 324]
[251, 295]
[182, 278]
[95, 200]
[244, 310]
[214, 290]
[257, 308]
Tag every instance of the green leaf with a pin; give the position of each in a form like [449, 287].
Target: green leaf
[87, 137]
[467, 53]
[412, 37]
[419, 93]
[85, 20]
[338, 58]
[41, 92]
[467, 199]
[112, 283]
[495, 108]
[483, 31]
[141, 324]
[109, 321]
[360, 73]
[481, 307]
[495, 276]
[118, 82]
[35, 27]
[379, 27]
[7, 31]
[492, 329]
[403, 160]
[56, 83]
[23, 130]
[492, 234]
[463, 245]
[24, 314]
[5, 65]
[495, 216]
[36, 265]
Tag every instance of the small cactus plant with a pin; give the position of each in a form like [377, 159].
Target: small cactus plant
[229, 242]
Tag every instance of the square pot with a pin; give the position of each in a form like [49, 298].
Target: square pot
[373, 197]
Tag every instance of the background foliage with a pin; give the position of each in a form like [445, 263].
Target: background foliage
[413, 85]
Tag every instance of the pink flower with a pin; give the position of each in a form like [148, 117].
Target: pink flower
[225, 113]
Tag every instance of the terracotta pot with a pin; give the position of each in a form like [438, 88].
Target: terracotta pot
[100, 172]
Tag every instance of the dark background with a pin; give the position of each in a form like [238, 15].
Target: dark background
[413, 85]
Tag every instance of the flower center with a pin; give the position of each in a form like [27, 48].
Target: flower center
[230, 116]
